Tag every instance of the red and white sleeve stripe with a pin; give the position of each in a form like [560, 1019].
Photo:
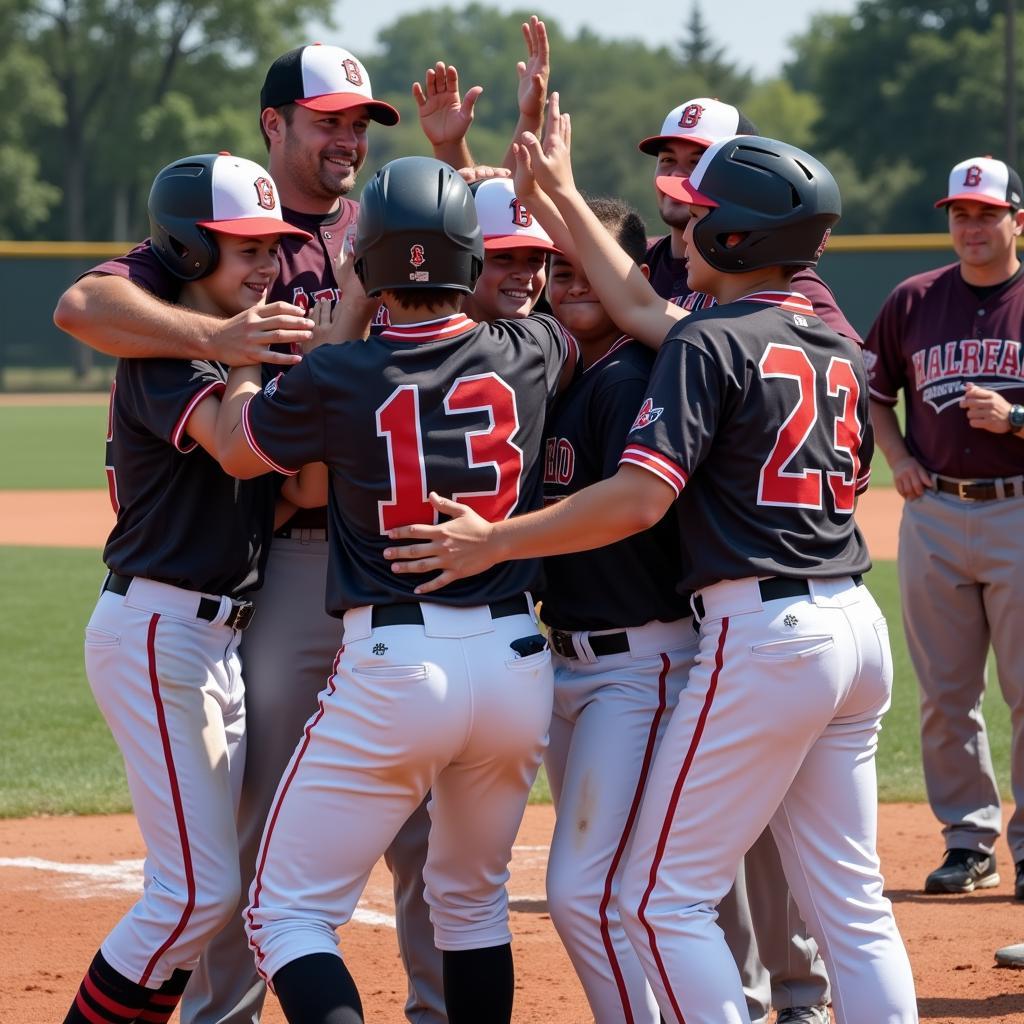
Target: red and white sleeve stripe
[862, 481]
[254, 445]
[656, 463]
[179, 428]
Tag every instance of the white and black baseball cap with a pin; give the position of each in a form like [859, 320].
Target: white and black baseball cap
[703, 121]
[984, 180]
[505, 222]
[323, 78]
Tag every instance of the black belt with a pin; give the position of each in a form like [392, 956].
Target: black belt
[560, 641]
[409, 613]
[980, 490]
[209, 608]
[773, 588]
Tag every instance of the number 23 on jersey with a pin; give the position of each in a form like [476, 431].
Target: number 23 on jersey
[778, 485]
[400, 423]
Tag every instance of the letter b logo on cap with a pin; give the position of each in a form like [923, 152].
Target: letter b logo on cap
[691, 115]
[972, 179]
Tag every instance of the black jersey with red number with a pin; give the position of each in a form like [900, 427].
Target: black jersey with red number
[757, 416]
[180, 518]
[636, 580]
[448, 406]
[932, 336]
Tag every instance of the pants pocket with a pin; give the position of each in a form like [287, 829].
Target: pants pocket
[100, 638]
[793, 648]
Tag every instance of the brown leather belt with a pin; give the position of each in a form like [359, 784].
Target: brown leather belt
[981, 490]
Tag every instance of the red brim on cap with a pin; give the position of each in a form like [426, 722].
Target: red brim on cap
[654, 144]
[254, 227]
[382, 113]
[681, 190]
[973, 197]
[494, 243]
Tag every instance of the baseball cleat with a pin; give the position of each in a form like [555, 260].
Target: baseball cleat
[803, 1015]
[1011, 956]
[963, 871]
[1018, 885]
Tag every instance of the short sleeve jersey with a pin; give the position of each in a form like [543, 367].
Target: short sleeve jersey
[180, 518]
[635, 580]
[932, 336]
[448, 406]
[757, 415]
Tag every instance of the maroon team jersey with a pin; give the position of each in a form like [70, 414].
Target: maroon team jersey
[757, 417]
[449, 406]
[668, 279]
[932, 336]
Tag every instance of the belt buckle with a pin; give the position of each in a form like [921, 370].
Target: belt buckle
[241, 615]
[561, 642]
[961, 490]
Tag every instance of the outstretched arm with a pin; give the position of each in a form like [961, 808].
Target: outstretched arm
[619, 506]
[117, 317]
[534, 74]
[445, 116]
[620, 284]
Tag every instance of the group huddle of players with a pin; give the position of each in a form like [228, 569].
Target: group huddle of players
[667, 459]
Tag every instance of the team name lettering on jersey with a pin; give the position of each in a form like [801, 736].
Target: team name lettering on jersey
[940, 371]
[559, 461]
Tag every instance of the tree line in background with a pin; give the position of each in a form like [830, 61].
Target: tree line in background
[99, 94]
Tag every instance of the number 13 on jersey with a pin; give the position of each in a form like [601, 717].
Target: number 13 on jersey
[400, 423]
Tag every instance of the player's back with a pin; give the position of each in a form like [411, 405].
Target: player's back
[448, 406]
[770, 490]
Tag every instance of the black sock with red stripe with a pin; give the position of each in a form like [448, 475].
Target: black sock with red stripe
[478, 985]
[318, 989]
[164, 1000]
[106, 997]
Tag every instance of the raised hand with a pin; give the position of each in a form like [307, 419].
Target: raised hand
[550, 163]
[445, 117]
[534, 71]
[458, 548]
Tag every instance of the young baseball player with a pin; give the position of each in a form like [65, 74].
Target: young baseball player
[623, 642]
[453, 696]
[161, 648]
[316, 112]
[950, 339]
[778, 722]
[778, 961]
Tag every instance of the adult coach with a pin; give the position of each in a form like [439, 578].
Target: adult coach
[950, 339]
[452, 696]
[780, 716]
[316, 108]
[778, 960]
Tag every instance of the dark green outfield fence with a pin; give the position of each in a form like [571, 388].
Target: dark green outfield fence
[35, 355]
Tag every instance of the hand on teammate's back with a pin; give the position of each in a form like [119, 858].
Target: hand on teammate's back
[245, 338]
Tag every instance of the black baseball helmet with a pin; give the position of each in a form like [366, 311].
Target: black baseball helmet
[199, 197]
[781, 200]
[417, 228]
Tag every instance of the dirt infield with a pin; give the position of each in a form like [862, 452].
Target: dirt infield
[65, 881]
[84, 518]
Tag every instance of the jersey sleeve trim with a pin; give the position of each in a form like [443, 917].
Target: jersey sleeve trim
[880, 396]
[254, 445]
[179, 428]
[656, 463]
[862, 482]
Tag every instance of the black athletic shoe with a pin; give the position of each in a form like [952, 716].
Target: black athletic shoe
[1018, 885]
[963, 871]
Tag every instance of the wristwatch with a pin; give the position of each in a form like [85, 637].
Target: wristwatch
[1016, 417]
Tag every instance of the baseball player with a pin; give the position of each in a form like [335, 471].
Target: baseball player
[189, 543]
[778, 722]
[778, 961]
[623, 641]
[950, 339]
[453, 696]
[316, 108]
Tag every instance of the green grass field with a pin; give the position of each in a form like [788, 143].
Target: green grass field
[56, 755]
[58, 447]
